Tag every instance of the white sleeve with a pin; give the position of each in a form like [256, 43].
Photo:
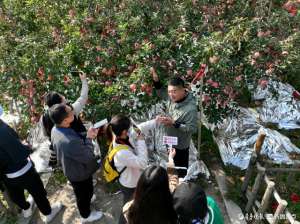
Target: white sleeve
[81, 101]
[147, 126]
[129, 159]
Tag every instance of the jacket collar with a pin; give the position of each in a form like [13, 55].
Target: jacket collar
[183, 101]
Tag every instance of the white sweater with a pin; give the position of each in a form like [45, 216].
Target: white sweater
[81, 101]
[135, 160]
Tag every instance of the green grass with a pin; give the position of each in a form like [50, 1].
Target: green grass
[285, 190]
[59, 177]
[210, 155]
[208, 148]
[8, 219]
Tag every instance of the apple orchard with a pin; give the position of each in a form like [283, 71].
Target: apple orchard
[243, 43]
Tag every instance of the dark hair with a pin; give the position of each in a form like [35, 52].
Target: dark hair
[176, 81]
[47, 123]
[117, 124]
[58, 113]
[190, 202]
[153, 202]
[52, 98]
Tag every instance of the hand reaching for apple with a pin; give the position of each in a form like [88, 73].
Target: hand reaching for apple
[154, 74]
[82, 76]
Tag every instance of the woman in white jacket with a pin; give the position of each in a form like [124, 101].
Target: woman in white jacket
[131, 161]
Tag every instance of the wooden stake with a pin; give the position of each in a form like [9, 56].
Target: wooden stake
[249, 173]
[265, 200]
[281, 206]
[258, 180]
[259, 142]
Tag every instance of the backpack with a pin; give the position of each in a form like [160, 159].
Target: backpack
[110, 173]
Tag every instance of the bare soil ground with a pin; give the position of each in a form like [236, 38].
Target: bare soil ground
[108, 201]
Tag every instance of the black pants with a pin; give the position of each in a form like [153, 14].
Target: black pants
[83, 192]
[127, 196]
[31, 182]
[182, 159]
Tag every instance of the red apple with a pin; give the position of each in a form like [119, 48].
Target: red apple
[67, 80]
[133, 87]
[143, 87]
[108, 83]
[104, 71]
[189, 72]
[98, 59]
[149, 90]
[256, 55]
[296, 94]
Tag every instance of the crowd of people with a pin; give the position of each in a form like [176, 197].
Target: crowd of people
[151, 193]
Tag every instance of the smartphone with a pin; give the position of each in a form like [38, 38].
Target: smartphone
[75, 72]
[100, 123]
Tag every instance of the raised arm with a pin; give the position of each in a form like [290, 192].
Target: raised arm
[147, 126]
[81, 101]
[161, 92]
[172, 174]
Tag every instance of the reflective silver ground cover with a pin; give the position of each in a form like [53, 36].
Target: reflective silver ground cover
[157, 151]
[236, 136]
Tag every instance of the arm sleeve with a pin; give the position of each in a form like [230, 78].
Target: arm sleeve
[147, 126]
[80, 152]
[190, 122]
[129, 159]
[160, 91]
[81, 101]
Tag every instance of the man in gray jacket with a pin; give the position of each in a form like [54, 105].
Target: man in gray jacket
[75, 153]
[181, 118]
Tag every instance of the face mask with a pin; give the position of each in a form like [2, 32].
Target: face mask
[132, 133]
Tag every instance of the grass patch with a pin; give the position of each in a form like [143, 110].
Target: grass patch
[208, 149]
[58, 178]
[9, 219]
[286, 187]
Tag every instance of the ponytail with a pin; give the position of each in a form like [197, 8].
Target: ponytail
[116, 126]
[108, 132]
[47, 124]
